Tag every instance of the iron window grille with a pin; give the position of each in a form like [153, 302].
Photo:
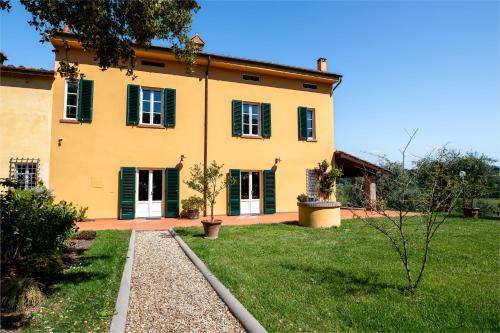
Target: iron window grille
[311, 184]
[24, 171]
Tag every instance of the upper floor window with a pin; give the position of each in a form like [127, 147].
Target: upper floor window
[71, 100]
[248, 77]
[251, 119]
[151, 108]
[310, 123]
[310, 86]
[24, 171]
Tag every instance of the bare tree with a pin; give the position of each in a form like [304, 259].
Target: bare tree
[425, 194]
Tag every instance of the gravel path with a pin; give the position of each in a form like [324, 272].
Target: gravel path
[169, 294]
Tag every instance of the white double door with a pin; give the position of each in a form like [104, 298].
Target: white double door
[250, 192]
[149, 193]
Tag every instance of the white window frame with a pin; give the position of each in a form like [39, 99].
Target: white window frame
[250, 124]
[313, 128]
[151, 107]
[65, 112]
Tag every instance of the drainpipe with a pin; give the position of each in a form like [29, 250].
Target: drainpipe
[205, 141]
[338, 84]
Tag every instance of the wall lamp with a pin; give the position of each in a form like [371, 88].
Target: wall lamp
[183, 157]
[277, 160]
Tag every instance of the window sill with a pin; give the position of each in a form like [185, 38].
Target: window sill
[252, 136]
[151, 126]
[312, 140]
[69, 121]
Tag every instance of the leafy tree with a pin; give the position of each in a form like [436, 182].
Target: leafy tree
[111, 29]
[478, 169]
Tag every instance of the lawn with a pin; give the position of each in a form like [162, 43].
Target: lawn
[296, 279]
[84, 300]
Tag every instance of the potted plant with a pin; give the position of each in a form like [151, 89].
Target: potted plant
[474, 171]
[325, 180]
[191, 207]
[321, 213]
[210, 183]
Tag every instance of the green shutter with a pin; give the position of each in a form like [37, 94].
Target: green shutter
[237, 118]
[133, 104]
[233, 205]
[169, 106]
[127, 193]
[172, 192]
[269, 192]
[265, 114]
[302, 123]
[85, 97]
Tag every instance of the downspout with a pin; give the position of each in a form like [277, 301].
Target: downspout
[335, 87]
[205, 141]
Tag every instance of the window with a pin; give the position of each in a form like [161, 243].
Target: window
[310, 86]
[152, 63]
[248, 77]
[151, 107]
[251, 119]
[310, 123]
[24, 171]
[71, 101]
[311, 184]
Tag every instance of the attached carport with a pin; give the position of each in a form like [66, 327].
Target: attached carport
[353, 166]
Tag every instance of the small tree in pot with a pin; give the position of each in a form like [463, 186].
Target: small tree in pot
[475, 169]
[210, 183]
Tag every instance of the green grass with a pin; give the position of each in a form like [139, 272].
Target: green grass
[84, 300]
[296, 279]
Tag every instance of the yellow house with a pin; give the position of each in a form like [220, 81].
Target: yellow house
[25, 118]
[124, 147]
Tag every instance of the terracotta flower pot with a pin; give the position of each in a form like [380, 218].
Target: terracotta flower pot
[193, 214]
[471, 212]
[211, 228]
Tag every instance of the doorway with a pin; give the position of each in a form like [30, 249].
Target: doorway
[250, 192]
[149, 193]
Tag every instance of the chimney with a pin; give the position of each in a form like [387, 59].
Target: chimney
[2, 58]
[198, 42]
[321, 64]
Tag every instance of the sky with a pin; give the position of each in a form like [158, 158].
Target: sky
[427, 65]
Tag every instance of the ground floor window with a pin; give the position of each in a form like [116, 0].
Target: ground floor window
[24, 171]
[311, 184]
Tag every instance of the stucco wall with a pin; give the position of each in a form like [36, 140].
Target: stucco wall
[25, 119]
[85, 167]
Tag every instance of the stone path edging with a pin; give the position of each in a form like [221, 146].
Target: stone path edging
[119, 320]
[248, 321]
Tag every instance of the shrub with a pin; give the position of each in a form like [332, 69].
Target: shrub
[85, 234]
[302, 197]
[192, 203]
[18, 293]
[488, 209]
[326, 179]
[81, 214]
[33, 223]
[42, 265]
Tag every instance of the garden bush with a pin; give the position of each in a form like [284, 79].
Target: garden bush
[489, 208]
[17, 293]
[42, 265]
[31, 222]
